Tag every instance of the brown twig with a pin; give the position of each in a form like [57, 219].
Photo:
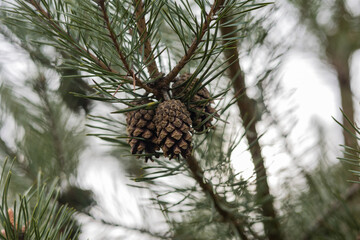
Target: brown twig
[218, 202]
[189, 53]
[144, 38]
[248, 116]
[99, 62]
[348, 195]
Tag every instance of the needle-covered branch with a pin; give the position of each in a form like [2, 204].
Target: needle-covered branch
[112, 35]
[50, 20]
[197, 40]
[53, 23]
[34, 213]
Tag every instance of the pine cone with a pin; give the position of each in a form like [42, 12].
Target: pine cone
[201, 112]
[141, 131]
[173, 128]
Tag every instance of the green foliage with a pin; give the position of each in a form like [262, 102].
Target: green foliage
[78, 28]
[325, 208]
[47, 139]
[35, 214]
[351, 156]
[50, 141]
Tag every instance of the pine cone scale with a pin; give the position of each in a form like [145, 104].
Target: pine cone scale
[170, 128]
[141, 123]
[177, 135]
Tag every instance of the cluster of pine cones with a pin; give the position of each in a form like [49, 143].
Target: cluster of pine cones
[170, 126]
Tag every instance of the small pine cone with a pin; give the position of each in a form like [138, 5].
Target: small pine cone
[141, 130]
[201, 112]
[173, 128]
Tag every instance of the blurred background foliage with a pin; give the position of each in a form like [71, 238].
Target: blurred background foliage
[46, 127]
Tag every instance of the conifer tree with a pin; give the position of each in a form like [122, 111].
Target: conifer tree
[168, 72]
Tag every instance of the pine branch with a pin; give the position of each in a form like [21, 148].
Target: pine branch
[53, 128]
[144, 37]
[113, 37]
[190, 52]
[98, 61]
[249, 120]
[219, 203]
[51, 21]
[34, 214]
[350, 193]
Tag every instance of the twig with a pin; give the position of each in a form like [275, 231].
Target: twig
[248, 115]
[218, 202]
[99, 62]
[144, 37]
[348, 195]
[141, 230]
[189, 53]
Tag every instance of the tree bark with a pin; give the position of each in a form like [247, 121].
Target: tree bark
[347, 105]
[248, 116]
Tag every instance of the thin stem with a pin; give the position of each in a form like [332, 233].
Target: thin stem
[248, 115]
[190, 52]
[198, 174]
[144, 38]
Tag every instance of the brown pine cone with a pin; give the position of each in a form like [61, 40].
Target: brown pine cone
[201, 112]
[141, 131]
[173, 128]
